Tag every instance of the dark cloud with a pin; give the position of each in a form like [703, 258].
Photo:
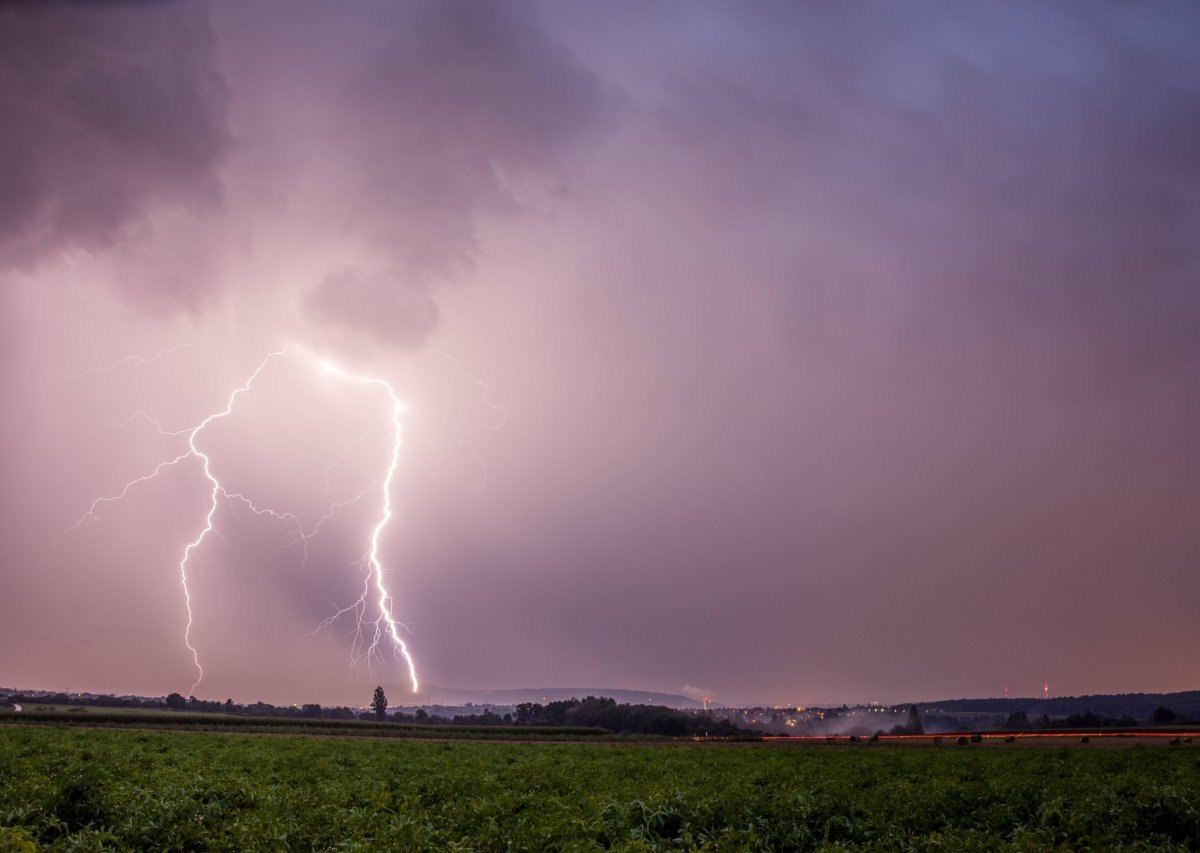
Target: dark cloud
[1039, 188]
[840, 331]
[110, 109]
[41, 4]
[463, 111]
[466, 102]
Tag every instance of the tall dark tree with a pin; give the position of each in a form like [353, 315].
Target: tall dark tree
[1163, 715]
[379, 703]
[914, 721]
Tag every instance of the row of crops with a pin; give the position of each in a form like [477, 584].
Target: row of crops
[73, 788]
[121, 718]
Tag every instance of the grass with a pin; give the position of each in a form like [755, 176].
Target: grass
[194, 721]
[69, 788]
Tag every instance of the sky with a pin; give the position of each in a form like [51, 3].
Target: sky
[776, 352]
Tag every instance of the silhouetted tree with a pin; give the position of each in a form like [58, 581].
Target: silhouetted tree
[605, 713]
[176, 702]
[1163, 715]
[913, 726]
[914, 721]
[379, 703]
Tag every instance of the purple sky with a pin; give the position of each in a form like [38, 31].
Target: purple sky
[845, 351]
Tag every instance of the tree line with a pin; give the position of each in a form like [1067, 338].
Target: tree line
[590, 712]
[605, 713]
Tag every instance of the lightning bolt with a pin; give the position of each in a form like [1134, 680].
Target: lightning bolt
[215, 495]
[303, 537]
[145, 478]
[386, 626]
[133, 358]
[346, 453]
[140, 414]
[467, 439]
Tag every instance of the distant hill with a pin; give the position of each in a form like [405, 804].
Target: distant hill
[429, 696]
[432, 695]
[1140, 706]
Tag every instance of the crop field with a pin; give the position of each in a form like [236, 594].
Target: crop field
[191, 721]
[69, 788]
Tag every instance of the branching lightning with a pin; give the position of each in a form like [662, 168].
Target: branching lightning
[212, 508]
[303, 537]
[145, 478]
[141, 359]
[373, 560]
[386, 628]
[141, 415]
[467, 439]
[346, 453]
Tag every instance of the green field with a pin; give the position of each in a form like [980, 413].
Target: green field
[71, 788]
[192, 721]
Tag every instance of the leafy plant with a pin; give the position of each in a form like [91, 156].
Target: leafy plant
[69, 788]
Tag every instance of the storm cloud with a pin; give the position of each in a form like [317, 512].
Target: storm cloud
[805, 352]
[111, 111]
[463, 110]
